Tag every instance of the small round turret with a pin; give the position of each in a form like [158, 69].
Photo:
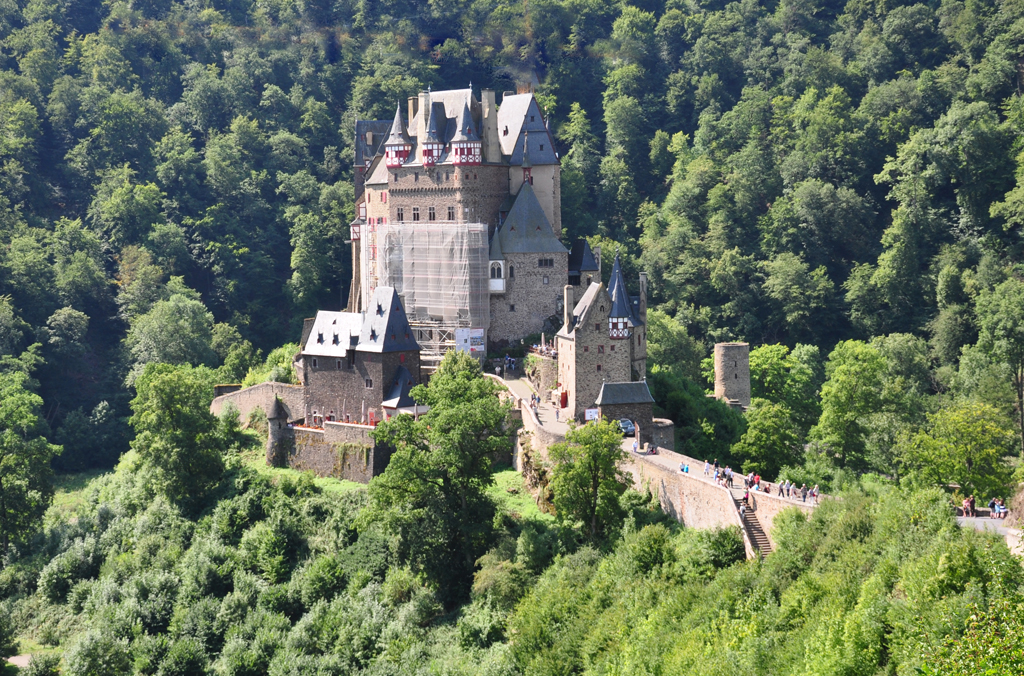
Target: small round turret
[732, 373]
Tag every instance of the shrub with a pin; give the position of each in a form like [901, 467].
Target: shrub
[81, 561]
[97, 653]
[42, 664]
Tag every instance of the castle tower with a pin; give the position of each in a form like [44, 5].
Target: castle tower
[466, 144]
[277, 433]
[732, 374]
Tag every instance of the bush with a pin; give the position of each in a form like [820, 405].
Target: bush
[8, 642]
[42, 664]
[81, 561]
[97, 653]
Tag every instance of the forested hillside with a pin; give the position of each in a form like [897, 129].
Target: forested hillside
[842, 186]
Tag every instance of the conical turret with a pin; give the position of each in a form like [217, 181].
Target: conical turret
[431, 141]
[397, 147]
[466, 145]
[620, 319]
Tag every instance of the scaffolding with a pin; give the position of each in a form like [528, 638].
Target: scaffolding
[439, 268]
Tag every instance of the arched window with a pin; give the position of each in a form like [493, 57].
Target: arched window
[495, 270]
[511, 272]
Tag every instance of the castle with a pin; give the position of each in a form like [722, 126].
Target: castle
[460, 212]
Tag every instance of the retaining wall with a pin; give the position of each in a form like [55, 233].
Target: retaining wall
[663, 433]
[262, 396]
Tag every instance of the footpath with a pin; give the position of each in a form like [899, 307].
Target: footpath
[700, 504]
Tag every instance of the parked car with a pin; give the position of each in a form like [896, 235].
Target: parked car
[627, 427]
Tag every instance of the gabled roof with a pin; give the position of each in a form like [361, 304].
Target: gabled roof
[398, 135]
[581, 258]
[580, 309]
[332, 333]
[397, 392]
[385, 326]
[378, 173]
[527, 229]
[379, 130]
[511, 114]
[624, 393]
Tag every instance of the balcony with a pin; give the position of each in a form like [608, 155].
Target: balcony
[497, 285]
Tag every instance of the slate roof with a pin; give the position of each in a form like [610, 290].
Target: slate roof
[385, 325]
[581, 307]
[333, 333]
[511, 114]
[624, 393]
[398, 393]
[398, 135]
[496, 253]
[366, 151]
[623, 305]
[581, 258]
[378, 174]
[527, 229]
[465, 129]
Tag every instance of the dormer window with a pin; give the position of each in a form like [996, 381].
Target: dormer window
[380, 309]
[373, 334]
[335, 340]
[320, 338]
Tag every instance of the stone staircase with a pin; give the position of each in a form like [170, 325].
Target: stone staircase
[758, 538]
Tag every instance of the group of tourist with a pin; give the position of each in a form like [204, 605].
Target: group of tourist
[997, 508]
[723, 476]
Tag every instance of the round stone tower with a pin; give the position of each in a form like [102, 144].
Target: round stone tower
[732, 374]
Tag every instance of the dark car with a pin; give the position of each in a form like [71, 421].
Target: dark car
[627, 427]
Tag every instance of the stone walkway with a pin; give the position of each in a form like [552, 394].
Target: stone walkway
[545, 411]
[20, 661]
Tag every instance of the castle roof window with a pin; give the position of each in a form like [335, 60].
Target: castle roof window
[340, 324]
[527, 229]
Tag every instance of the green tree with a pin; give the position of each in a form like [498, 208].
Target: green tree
[852, 390]
[175, 433]
[964, 444]
[432, 494]
[586, 479]
[771, 441]
[1001, 318]
[25, 455]
[178, 330]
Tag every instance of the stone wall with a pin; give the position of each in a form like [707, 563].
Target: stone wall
[767, 507]
[528, 302]
[262, 397]
[545, 375]
[640, 414]
[692, 502]
[663, 434]
[340, 451]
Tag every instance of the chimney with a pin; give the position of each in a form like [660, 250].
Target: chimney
[597, 258]
[568, 302]
[643, 297]
[489, 122]
[412, 112]
[421, 128]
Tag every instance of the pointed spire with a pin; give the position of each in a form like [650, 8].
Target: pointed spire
[464, 129]
[617, 291]
[398, 135]
[432, 134]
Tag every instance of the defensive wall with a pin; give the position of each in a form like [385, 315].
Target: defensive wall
[262, 397]
[767, 506]
[338, 450]
[691, 501]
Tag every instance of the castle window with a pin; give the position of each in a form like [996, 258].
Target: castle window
[451, 213]
[446, 175]
[369, 383]
[505, 133]
[416, 177]
[384, 197]
[320, 338]
[339, 365]
[401, 214]
[598, 367]
[597, 327]
[542, 146]
[495, 270]
[431, 214]
[511, 271]
[512, 308]
[401, 358]
[314, 362]
[586, 348]
[415, 213]
[600, 349]
[736, 376]
[545, 279]
[351, 359]
[531, 118]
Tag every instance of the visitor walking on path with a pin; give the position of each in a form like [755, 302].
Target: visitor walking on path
[803, 492]
[707, 468]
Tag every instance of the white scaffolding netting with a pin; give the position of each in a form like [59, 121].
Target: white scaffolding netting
[440, 270]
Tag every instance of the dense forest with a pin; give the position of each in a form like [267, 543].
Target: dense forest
[841, 185]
